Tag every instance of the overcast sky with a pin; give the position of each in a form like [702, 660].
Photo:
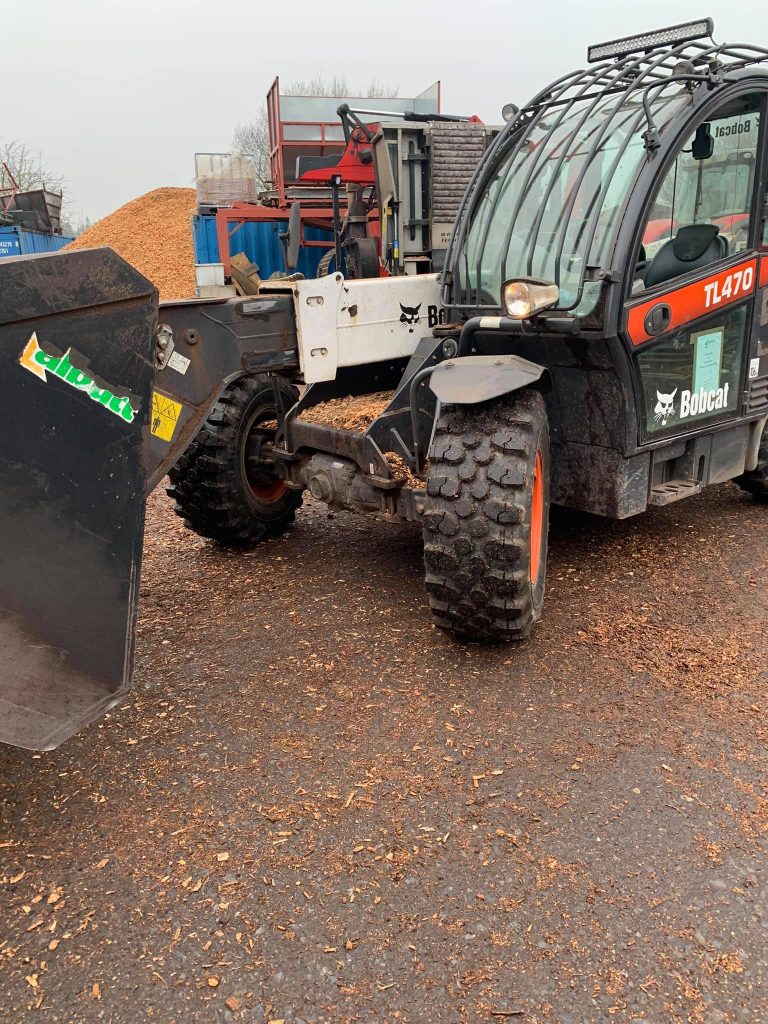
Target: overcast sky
[118, 95]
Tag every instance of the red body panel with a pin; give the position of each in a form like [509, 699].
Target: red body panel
[692, 301]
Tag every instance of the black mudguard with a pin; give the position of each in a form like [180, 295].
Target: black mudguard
[472, 379]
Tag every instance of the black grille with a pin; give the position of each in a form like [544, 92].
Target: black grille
[456, 151]
[758, 395]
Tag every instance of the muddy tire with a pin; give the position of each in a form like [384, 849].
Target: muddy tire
[224, 489]
[486, 517]
[756, 480]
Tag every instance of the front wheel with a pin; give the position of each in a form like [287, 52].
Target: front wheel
[486, 517]
[226, 486]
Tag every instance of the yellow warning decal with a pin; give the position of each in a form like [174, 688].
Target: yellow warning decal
[165, 416]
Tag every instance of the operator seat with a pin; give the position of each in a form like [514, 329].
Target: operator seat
[694, 246]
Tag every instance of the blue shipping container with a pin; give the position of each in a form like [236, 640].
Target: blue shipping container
[260, 242]
[16, 241]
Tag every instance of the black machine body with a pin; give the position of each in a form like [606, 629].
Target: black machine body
[638, 188]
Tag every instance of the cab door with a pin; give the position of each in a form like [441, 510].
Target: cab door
[757, 394]
[689, 317]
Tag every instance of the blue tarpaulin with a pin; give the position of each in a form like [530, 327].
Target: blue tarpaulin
[260, 242]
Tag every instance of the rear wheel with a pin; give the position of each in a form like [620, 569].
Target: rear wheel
[756, 480]
[486, 517]
[225, 485]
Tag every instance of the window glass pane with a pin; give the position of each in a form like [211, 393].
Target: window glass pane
[693, 376]
[710, 183]
[552, 205]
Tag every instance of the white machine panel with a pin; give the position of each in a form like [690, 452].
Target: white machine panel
[350, 323]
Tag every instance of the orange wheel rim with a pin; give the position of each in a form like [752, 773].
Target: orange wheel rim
[269, 492]
[537, 516]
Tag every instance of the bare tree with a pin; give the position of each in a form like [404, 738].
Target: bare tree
[251, 139]
[72, 228]
[337, 86]
[381, 92]
[318, 86]
[27, 168]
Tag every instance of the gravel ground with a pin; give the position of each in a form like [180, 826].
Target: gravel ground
[318, 808]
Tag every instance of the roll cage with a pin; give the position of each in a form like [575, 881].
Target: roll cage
[626, 101]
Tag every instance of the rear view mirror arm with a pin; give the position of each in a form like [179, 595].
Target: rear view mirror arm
[652, 135]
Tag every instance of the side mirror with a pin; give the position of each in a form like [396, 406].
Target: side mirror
[703, 142]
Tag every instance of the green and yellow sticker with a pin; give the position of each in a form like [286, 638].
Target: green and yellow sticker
[41, 363]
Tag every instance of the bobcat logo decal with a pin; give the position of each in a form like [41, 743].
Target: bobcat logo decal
[665, 407]
[410, 316]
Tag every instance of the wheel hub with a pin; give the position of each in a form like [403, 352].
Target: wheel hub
[259, 470]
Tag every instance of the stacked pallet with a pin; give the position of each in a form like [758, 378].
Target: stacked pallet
[224, 179]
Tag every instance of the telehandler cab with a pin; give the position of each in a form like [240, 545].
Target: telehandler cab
[598, 339]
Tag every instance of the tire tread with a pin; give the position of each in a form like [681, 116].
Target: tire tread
[205, 482]
[477, 518]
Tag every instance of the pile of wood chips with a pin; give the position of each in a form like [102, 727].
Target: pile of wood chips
[154, 234]
[357, 413]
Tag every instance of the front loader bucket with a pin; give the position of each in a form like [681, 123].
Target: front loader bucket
[76, 370]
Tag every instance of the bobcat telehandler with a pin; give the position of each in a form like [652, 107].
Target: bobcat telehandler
[598, 339]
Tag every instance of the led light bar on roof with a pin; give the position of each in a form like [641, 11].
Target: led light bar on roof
[684, 33]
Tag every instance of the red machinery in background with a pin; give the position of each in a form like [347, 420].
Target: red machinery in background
[332, 169]
[325, 185]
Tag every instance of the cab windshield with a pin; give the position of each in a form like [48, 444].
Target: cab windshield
[551, 206]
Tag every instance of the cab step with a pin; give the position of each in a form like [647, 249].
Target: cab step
[673, 490]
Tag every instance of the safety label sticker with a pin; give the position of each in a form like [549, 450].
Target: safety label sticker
[165, 416]
[707, 359]
[179, 362]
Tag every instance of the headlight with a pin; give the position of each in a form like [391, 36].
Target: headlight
[521, 299]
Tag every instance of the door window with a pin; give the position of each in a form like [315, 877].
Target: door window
[702, 210]
[692, 376]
